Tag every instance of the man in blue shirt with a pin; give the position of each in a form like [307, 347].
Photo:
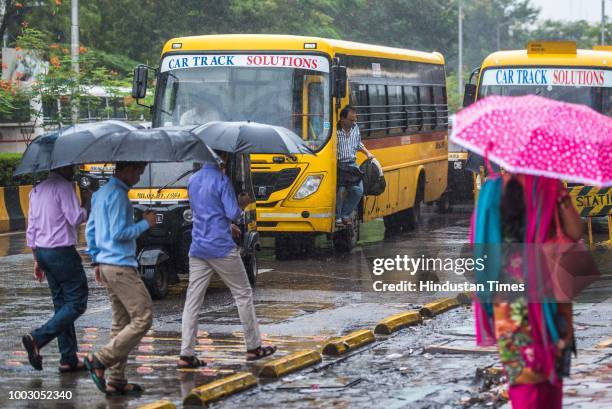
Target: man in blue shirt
[213, 250]
[111, 238]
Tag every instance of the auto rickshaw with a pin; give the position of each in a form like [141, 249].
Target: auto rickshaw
[163, 250]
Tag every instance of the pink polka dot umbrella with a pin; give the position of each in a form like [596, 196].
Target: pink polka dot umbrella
[538, 136]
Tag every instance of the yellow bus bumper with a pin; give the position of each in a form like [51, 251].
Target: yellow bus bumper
[288, 219]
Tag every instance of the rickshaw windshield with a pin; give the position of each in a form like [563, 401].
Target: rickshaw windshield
[160, 174]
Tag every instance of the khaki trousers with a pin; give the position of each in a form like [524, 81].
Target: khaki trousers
[232, 272]
[132, 317]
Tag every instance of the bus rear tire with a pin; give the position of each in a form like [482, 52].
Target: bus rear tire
[412, 217]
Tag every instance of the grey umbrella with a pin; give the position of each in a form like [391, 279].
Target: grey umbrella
[147, 145]
[58, 148]
[251, 137]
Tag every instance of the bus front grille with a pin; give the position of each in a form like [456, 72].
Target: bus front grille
[266, 183]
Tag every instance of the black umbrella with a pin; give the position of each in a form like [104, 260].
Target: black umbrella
[57, 149]
[251, 137]
[147, 145]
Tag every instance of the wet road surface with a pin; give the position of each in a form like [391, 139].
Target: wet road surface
[299, 304]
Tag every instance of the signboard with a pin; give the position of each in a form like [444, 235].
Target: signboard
[560, 77]
[307, 62]
[592, 201]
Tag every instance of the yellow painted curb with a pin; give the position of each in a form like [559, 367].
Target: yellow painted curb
[465, 298]
[438, 307]
[290, 363]
[160, 404]
[398, 321]
[339, 345]
[220, 388]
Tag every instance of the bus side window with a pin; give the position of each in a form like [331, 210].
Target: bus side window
[359, 100]
[441, 107]
[377, 98]
[427, 107]
[413, 115]
[396, 114]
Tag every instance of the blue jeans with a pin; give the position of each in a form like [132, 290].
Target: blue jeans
[346, 205]
[68, 284]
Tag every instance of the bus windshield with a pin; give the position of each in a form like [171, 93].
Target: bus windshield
[193, 91]
[591, 87]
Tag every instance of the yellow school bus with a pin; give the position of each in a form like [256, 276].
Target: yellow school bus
[301, 83]
[553, 69]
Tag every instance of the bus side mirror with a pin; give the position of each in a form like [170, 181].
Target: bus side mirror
[139, 83]
[469, 95]
[339, 81]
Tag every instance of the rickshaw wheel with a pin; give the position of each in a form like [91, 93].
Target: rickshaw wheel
[250, 265]
[158, 287]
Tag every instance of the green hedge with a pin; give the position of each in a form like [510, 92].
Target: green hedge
[8, 163]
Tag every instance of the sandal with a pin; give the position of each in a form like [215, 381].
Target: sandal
[192, 362]
[80, 366]
[33, 353]
[92, 363]
[260, 352]
[124, 389]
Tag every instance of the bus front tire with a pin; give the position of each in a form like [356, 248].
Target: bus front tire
[293, 245]
[345, 240]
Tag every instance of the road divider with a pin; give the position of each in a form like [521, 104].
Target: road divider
[340, 345]
[398, 321]
[14, 203]
[290, 363]
[160, 404]
[438, 307]
[220, 388]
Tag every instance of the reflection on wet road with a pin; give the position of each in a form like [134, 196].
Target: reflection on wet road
[299, 304]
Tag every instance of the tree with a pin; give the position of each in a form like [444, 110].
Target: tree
[585, 35]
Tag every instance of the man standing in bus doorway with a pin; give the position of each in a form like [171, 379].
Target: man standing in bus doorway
[53, 216]
[350, 185]
[213, 250]
[111, 239]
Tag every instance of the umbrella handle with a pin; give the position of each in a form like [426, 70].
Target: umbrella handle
[486, 160]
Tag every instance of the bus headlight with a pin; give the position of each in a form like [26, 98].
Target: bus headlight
[188, 215]
[310, 186]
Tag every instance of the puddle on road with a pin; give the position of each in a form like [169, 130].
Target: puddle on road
[152, 363]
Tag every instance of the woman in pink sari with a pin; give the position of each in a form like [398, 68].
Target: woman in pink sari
[514, 215]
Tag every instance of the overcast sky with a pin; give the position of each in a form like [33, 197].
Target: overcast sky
[572, 9]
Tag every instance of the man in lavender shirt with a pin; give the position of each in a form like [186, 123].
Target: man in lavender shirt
[54, 214]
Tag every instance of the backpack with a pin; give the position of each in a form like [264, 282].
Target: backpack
[374, 182]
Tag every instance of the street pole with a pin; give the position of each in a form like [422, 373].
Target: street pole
[460, 59]
[74, 53]
[603, 22]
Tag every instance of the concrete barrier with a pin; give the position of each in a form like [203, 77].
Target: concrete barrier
[14, 204]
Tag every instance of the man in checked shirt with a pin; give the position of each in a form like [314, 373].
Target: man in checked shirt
[350, 185]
